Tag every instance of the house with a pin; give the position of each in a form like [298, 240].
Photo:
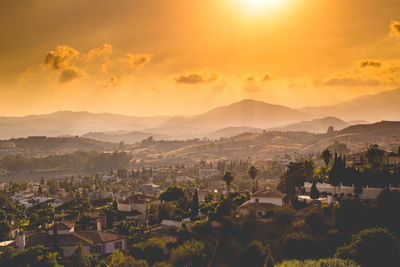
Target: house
[100, 195]
[63, 236]
[135, 207]
[262, 202]
[206, 173]
[149, 189]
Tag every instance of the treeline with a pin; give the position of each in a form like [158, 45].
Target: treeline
[75, 161]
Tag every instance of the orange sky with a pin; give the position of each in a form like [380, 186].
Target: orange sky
[172, 57]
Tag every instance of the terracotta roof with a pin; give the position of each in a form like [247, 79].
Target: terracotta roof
[62, 226]
[129, 213]
[138, 199]
[268, 193]
[72, 239]
[256, 205]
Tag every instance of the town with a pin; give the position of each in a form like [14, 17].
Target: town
[180, 215]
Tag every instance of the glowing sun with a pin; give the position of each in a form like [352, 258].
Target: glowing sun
[257, 6]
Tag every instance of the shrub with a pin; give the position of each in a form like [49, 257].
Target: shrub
[315, 220]
[298, 246]
[331, 262]
[372, 247]
[253, 255]
[191, 253]
[284, 216]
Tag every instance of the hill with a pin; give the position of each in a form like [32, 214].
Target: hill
[246, 113]
[315, 126]
[381, 106]
[72, 123]
[122, 136]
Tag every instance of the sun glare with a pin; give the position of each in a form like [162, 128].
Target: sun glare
[261, 6]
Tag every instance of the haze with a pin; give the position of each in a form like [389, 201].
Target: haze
[185, 57]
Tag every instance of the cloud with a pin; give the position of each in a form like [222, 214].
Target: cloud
[111, 82]
[262, 78]
[395, 27]
[139, 60]
[61, 57]
[70, 64]
[370, 63]
[70, 74]
[196, 78]
[370, 73]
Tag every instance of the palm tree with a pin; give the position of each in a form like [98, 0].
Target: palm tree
[326, 156]
[228, 178]
[253, 173]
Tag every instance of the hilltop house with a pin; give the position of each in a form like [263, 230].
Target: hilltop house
[261, 202]
[206, 173]
[386, 158]
[62, 235]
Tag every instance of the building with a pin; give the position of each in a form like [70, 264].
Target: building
[149, 189]
[135, 207]
[63, 236]
[206, 173]
[261, 202]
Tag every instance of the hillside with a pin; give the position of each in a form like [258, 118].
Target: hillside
[72, 123]
[315, 126]
[381, 106]
[122, 136]
[246, 113]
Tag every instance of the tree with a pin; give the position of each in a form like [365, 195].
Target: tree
[332, 262]
[254, 255]
[298, 246]
[172, 193]
[314, 193]
[191, 253]
[195, 204]
[326, 156]
[372, 247]
[253, 174]
[228, 178]
[80, 257]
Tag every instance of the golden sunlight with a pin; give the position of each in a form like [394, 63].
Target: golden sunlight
[260, 6]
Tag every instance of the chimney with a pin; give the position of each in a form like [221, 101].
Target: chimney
[98, 225]
[21, 240]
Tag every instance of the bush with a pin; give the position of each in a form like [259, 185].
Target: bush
[372, 247]
[253, 255]
[298, 246]
[284, 216]
[315, 220]
[331, 262]
[191, 253]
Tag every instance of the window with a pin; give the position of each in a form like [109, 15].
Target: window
[95, 249]
[118, 245]
[257, 200]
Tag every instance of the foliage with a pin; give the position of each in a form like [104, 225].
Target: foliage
[349, 215]
[195, 204]
[228, 178]
[191, 253]
[36, 256]
[314, 193]
[314, 218]
[284, 215]
[295, 176]
[172, 193]
[332, 262]
[118, 259]
[152, 250]
[253, 255]
[298, 246]
[372, 247]
[326, 156]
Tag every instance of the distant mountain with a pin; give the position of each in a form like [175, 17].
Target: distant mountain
[383, 128]
[126, 137]
[381, 106]
[246, 113]
[73, 123]
[315, 126]
[232, 131]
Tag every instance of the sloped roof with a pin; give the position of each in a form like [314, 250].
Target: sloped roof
[62, 226]
[73, 239]
[264, 206]
[268, 193]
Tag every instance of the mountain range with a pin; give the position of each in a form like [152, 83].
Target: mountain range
[243, 116]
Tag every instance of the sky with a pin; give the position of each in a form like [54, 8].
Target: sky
[174, 57]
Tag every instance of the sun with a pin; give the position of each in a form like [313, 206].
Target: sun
[261, 6]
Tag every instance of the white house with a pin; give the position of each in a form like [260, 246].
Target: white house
[261, 202]
[64, 236]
